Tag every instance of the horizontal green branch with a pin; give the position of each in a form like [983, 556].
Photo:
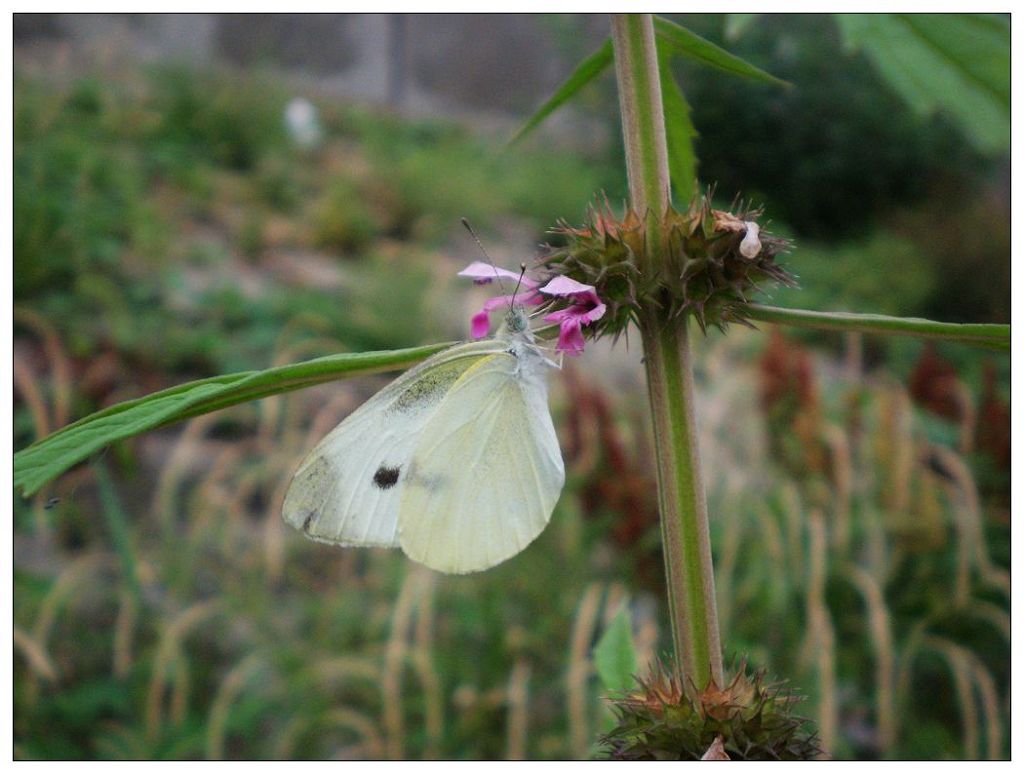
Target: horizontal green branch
[48, 458]
[990, 336]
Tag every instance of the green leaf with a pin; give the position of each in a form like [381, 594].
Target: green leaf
[48, 458]
[679, 130]
[588, 70]
[959, 63]
[989, 336]
[615, 655]
[689, 44]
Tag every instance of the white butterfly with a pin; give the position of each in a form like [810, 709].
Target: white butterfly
[456, 461]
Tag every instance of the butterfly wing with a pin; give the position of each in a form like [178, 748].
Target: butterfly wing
[487, 471]
[347, 490]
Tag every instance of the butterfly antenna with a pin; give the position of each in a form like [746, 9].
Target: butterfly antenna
[519, 282]
[483, 250]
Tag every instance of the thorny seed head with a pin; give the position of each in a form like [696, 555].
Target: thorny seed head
[715, 262]
[664, 719]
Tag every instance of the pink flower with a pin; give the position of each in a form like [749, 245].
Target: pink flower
[584, 304]
[585, 307]
[483, 274]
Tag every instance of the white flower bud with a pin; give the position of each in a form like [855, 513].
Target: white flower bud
[751, 244]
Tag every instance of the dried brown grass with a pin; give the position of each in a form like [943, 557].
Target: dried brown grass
[518, 711]
[59, 364]
[170, 662]
[967, 507]
[228, 691]
[38, 660]
[820, 632]
[579, 671]
[880, 627]
[418, 581]
[960, 667]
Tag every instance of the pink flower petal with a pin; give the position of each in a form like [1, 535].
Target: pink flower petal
[495, 302]
[584, 315]
[480, 322]
[559, 316]
[570, 337]
[527, 298]
[571, 320]
[480, 325]
[483, 273]
[594, 314]
[568, 287]
[584, 308]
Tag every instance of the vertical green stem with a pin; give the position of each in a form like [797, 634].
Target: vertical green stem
[668, 360]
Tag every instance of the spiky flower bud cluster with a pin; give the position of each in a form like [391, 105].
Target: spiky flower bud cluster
[747, 720]
[715, 261]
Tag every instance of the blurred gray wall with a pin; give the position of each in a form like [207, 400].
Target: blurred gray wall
[425, 63]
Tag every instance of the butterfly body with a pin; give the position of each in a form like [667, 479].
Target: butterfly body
[456, 461]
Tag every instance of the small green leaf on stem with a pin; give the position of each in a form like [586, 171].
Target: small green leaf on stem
[686, 43]
[679, 131]
[585, 72]
[615, 655]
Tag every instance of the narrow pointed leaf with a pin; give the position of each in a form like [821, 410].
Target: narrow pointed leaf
[989, 336]
[615, 654]
[587, 71]
[689, 44]
[679, 131]
[48, 458]
[958, 63]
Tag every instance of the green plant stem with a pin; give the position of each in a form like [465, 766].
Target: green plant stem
[992, 336]
[643, 121]
[668, 362]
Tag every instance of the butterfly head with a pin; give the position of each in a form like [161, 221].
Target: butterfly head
[516, 320]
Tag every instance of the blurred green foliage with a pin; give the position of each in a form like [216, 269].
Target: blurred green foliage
[959, 63]
[428, 174]
[829, 157]
[910, 561]
[882, 274]
[214, 118]
[126, 188]
[79, 197]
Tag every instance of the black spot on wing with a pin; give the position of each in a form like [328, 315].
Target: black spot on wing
[386, 477]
